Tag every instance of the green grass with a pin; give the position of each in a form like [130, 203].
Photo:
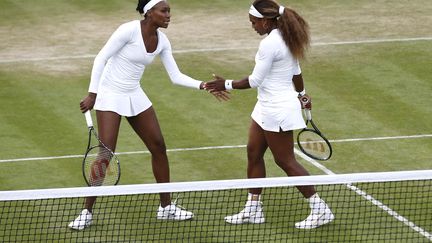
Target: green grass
[364, 90]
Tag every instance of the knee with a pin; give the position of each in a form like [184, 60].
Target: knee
[157, 147]
[254, 154]
[285, 163]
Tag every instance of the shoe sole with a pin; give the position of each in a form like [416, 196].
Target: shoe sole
[320, 222]
[81, 228]
[173, 218]
[246, 221]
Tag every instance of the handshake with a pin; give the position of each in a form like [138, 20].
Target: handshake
[217, 88]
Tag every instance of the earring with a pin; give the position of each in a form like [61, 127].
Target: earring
[265, 26]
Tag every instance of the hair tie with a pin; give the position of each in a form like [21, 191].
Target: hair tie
[150, 5]
[281, 10]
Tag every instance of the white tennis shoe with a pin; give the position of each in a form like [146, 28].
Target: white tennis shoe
[173, 212]
[316, 219]
[83, 221]
[250, 214]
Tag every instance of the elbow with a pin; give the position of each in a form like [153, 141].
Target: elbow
[175, 78]
[100, 60]
[175, 81]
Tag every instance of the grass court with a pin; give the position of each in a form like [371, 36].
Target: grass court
[368, 72]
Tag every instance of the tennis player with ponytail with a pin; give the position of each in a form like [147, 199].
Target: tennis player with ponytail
[277, 76]
[115, 91]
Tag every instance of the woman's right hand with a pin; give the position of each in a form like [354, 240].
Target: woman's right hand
[216, 85]
[88, 102]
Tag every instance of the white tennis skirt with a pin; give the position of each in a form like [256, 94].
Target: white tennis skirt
[274, 117]
[128, 104]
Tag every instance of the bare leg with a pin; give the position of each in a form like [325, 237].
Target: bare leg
[108, 128]
[253, 211]
[147, 127]
[282, 146]
[256, 148]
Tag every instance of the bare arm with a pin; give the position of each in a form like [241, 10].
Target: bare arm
[220, 84]
[298, 83]
[305, 99]
[241, 84]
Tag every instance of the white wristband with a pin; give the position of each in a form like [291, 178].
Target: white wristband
[228, 84]
[302, 92]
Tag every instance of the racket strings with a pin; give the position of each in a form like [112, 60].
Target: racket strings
[100, 169]
[313, 144]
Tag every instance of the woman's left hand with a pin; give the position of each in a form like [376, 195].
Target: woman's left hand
[306, 101]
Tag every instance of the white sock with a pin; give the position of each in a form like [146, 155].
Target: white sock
[254, 198]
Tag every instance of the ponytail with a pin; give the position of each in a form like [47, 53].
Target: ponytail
[295, 32]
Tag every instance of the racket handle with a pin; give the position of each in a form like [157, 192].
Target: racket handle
[88, 118]
[308, 114]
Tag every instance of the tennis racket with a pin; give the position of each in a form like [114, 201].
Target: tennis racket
[100, 166]
[311, 141]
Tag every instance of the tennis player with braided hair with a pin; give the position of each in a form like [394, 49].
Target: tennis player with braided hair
[277, 76]
[115, 91]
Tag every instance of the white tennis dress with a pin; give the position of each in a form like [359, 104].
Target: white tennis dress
[278, 107]
[119, 66]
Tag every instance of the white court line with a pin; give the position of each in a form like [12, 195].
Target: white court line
[357, 190]
[372, 41]
[369, 198]
[209, 148]
[379, 138]
[313, 162]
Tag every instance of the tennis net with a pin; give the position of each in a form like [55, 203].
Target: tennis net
[368, 207]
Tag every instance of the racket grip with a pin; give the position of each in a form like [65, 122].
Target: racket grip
[88, 118]
[308, 114]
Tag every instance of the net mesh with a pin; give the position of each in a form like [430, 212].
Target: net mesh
[373, 207]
